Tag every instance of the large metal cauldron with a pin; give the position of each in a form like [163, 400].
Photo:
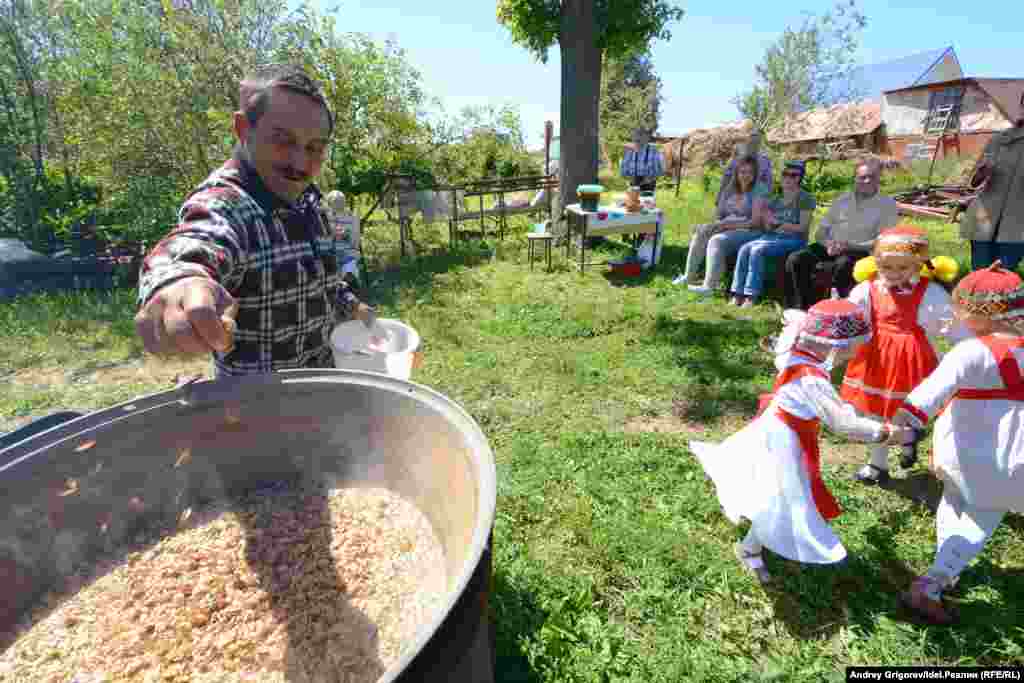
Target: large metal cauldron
[332, 426]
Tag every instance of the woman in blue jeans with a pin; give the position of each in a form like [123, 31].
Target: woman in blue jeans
[787, 218]
[739, 216]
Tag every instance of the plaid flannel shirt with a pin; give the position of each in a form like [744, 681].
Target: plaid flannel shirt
[647, 163]
[277, 260]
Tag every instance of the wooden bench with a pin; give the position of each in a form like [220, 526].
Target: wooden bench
[775, 278]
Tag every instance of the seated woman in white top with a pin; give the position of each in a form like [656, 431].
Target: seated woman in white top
[738, 221]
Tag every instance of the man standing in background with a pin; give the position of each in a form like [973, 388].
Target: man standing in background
[641, 162]
[994, 222]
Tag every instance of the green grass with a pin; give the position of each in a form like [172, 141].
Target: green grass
[613, 559]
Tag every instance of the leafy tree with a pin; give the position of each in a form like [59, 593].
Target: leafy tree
[630, 98]
[586, 31]
[25, 46]
[482, 141]
[378, 99]
[807, 67]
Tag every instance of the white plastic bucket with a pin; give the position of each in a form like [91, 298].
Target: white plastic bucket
[350, 342]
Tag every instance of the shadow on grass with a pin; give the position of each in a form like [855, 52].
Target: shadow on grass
[719, 357]
[671, 263]
[516, 616]
[925, 489]
[418, 273]
[982, 623]
[815, 602]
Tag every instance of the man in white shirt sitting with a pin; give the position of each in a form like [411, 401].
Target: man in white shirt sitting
[846, 234]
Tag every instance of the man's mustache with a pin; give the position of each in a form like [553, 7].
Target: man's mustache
[292, 173]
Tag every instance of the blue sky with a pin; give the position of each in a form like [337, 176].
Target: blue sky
[467, 58]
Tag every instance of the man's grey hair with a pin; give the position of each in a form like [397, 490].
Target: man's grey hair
[254, 90]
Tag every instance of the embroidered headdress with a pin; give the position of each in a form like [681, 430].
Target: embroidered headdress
[906, 240]
[902, 240]
[994, 293]
[837, 323]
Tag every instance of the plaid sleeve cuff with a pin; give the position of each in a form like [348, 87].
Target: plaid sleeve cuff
[156, 280]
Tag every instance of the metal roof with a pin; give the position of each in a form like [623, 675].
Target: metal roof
[871, 80]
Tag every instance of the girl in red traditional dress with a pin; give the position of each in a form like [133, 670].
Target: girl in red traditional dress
[907, 311]
[769, 472]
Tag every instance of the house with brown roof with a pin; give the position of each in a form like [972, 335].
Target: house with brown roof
[855, 122]
[855, 125]
[958, 116]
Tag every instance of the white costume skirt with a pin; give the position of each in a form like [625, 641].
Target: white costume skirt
[759, 475]
[988, 467]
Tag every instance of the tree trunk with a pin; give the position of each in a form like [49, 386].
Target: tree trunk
[581, 97]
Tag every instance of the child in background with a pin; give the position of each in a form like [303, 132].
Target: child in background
[978, 450]
[769, 472]
[907, 310]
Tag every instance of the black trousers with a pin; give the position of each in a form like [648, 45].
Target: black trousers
[645, 187]
[801, 266]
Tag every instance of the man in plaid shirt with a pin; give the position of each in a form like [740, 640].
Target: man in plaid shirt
[641, 162]
[252, 243]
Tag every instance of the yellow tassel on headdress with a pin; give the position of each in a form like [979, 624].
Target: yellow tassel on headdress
[865, 269]
[944, 268]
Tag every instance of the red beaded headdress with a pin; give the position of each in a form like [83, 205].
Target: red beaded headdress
[836, 322]
[994, 293]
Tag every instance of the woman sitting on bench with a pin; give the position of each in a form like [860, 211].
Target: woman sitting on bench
[739, 222]
[787, 220]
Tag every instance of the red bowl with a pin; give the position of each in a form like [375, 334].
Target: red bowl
[627, 269]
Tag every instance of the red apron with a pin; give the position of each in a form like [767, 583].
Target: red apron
[897, 359]
[807, 432]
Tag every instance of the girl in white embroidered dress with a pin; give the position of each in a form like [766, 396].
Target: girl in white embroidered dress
[769, 472]
[978, 446]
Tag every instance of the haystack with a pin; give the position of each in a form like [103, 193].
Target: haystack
[706, 146]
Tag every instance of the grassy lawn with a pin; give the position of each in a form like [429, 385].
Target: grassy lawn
[613, 560]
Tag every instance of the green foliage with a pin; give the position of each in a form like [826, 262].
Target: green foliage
[139, 100]
[534, 24]
[143, 209]
[483, 141]
[630, 98]
[806, 67]
[60, 206]
[623, 25]
[829, 180]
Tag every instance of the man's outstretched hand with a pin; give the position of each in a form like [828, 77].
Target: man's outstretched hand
[191, 316]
